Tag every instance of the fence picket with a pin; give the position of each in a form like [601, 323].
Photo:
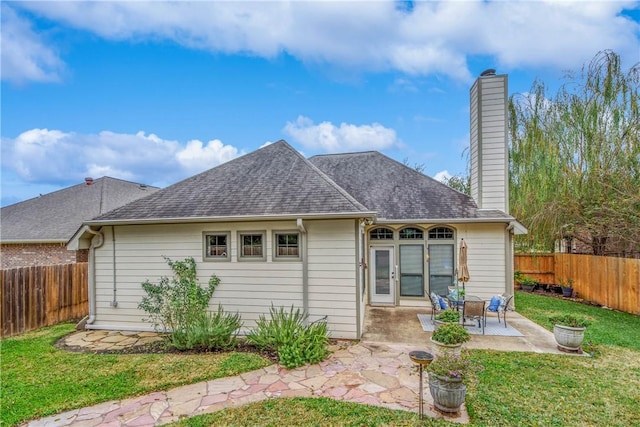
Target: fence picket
[33, 297]
[610, 281]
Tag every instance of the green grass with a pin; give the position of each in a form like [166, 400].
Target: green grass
[39, 380]
[309, 412]
[514, 389]
[523, 389]
[609, 327]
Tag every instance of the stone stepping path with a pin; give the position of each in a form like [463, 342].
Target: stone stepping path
[379, 374]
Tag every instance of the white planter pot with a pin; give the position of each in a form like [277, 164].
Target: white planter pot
[568, 338]
[441, 349]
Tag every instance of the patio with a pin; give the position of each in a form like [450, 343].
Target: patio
[401, 325]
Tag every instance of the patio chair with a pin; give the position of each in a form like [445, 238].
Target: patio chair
[499, 304]
[436, 304]
[474, 310]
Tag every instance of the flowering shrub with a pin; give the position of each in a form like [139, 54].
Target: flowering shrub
[453, 366]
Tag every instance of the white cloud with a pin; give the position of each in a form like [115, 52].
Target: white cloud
[442, 176]
[43, 155]
[433, 38]
[329, 138]
[25, 54]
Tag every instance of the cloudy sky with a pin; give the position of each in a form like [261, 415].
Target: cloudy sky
[154, 92]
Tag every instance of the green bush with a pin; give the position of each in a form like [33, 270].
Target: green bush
[216, 330]
[449, 316]
[179, 306]
[451, 333]
[289, 334]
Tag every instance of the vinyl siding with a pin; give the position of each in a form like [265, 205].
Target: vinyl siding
[249, 287]
[488, 134]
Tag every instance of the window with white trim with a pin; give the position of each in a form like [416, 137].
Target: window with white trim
[216, 246]
[287, 245]
[251, 246]
[381, 234]
[441, 233]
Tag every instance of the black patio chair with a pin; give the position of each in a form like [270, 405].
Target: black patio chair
[474, 310]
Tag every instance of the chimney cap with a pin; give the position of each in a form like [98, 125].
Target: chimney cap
[88, 180]
[488, 72]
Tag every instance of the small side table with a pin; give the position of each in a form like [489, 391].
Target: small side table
[422, 358]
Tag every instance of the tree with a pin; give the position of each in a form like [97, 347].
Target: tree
[575, 158]
[462, 183]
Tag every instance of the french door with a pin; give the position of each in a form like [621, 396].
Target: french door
[382, 275]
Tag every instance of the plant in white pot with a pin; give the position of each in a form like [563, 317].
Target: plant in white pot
[448, 338]
[568, 330]
[448, 376]
[447, 316]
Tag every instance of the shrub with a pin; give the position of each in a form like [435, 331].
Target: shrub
[570, 320]
[179, 306]
[451, 333]
[216, 330]
[290, 335]
[450, 316]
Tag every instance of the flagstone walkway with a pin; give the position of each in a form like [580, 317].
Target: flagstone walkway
[379, 374]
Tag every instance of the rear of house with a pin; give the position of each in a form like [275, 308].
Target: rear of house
[330, 234]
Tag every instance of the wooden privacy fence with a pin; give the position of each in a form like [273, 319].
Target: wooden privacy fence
[610, 281]
[33, 297]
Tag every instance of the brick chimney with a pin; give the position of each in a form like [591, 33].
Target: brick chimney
[88, 180]
[489, 152]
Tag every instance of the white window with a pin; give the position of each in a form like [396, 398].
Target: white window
[251, 246]
[216, 246]
[287, 245]
[381, 234]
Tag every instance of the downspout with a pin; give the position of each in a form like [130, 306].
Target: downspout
[114, 303]
[305, 266]
[95, 244]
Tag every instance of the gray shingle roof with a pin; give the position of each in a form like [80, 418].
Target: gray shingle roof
[398, 192]
[56, 216]
[272, 181]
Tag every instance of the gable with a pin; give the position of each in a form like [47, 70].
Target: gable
[272, 181]
[54, 217]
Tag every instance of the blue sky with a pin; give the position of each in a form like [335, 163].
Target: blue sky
[154, 92]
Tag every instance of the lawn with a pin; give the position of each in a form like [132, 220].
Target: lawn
[38, 379]
[523, 389]
[514, 388]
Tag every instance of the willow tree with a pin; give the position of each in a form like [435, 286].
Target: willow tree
[575, 158]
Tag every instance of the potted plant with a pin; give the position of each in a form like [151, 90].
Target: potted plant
[449, 337]
[567, 287]
[448, 376]
[447, 316]
[527, 283]
[568, 330]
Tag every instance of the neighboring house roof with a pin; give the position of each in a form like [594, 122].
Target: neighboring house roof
[274, 181]
[54, 217]
[397, 192]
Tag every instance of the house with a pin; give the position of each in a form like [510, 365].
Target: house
[36, 231]
[331, 234]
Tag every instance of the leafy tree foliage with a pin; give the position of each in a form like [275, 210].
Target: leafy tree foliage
[575, 158]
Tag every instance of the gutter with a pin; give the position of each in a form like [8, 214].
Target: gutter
[305, 266]
[238, 218]
[92, 272]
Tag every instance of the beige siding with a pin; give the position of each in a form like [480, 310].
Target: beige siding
[249, 287]
[488, 260]
[488, 150]
[332, 275]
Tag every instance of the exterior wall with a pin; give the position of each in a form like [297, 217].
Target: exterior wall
[489, 155]
[249, 287]
[489, 258]
[27, 255]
